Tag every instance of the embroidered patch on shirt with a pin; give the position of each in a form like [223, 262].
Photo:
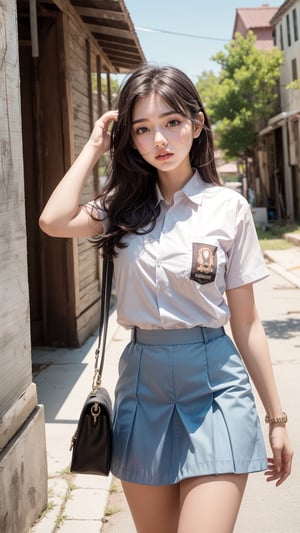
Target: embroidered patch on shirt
[204, 263]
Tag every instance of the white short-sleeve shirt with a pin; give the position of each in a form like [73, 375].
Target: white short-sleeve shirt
[176, 275]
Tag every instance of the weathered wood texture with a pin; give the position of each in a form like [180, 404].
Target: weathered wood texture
[111, 30]
[15, 352]
[59, 106]
[85, 111]
[46, 157]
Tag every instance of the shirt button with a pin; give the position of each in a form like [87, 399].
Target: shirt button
[158, 264]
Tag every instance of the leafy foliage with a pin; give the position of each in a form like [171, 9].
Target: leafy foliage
[206, 86]
[295, 84]
[114, 88]
[245, 95]
[104, 90]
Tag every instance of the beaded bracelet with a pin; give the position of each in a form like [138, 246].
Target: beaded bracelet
[281, 420]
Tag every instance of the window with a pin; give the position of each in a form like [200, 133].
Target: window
[294, 69]
[295, 25]
[288, 29]
[281, 37]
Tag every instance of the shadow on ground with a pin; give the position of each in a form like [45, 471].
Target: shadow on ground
[282, 329]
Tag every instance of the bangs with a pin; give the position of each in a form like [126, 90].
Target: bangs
[179, 97]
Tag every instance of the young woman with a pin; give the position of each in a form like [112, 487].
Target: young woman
[186, 430]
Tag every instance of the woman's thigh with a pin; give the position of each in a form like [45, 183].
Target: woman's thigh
[155, 509]
[210, 503]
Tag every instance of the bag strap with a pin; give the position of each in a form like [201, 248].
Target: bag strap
[107, 275]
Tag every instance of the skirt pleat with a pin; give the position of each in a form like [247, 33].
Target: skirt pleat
[184, 410]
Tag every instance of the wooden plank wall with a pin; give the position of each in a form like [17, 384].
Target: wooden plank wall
[88, 283]
[15, 349]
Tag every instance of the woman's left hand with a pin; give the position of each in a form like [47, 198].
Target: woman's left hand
[280, 465]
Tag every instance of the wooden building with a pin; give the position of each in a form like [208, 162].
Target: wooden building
[52, 55]
[65, 49]
[279, 141]
[23, 474]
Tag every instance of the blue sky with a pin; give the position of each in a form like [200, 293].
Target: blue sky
[212, 19]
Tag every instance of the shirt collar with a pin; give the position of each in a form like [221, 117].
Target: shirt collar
[159, 195]
[193, 189]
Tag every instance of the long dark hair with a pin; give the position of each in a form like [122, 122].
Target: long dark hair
[129, 195]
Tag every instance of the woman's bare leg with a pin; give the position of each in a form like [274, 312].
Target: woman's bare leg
[155, 509]
[210, 503]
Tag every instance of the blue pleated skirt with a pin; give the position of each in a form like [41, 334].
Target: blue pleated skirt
[183, 408]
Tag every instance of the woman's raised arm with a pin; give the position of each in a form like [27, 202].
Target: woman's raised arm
[63, 216]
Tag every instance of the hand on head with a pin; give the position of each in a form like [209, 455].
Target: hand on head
[100, 136]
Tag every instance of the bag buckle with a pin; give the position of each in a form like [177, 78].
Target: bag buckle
[95, 412]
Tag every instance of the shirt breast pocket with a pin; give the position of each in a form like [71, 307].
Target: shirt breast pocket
[204, 262]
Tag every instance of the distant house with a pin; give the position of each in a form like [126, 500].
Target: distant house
[227, 170]
[286, 23]
[256, 19]
[279, 152]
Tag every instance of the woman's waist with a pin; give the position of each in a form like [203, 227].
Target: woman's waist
[176, 336]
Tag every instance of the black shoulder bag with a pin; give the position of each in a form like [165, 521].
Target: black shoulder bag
[92, 442]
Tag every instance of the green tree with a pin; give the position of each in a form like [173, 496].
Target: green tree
[295, 84]
[246, 94]
[113, 84]
[206, 86]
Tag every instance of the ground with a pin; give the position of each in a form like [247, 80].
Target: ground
[116, 512]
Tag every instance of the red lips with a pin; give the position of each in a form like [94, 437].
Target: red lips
[163, 154]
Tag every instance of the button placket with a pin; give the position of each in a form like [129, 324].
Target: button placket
[161, 279]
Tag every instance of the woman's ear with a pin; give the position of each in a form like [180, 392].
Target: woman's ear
[199, 126]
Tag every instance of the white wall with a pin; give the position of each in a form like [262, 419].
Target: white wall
[290, 98]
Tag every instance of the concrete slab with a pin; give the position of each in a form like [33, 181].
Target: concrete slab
[293, 237]
[63, 383]
[286, 263]
[15, 417]
[24, 472]
[119, 519]
[93, 482]
[79, 526]
[57, 490]
[85, 503]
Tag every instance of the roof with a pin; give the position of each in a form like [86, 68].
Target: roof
[281, 10]
[110, 24]
[254, 18]
[108, 21]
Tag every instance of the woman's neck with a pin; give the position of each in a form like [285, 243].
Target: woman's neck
[171, 182]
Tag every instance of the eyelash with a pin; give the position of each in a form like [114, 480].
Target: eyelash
[171, 123]
[176, 121]
[141, 130]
